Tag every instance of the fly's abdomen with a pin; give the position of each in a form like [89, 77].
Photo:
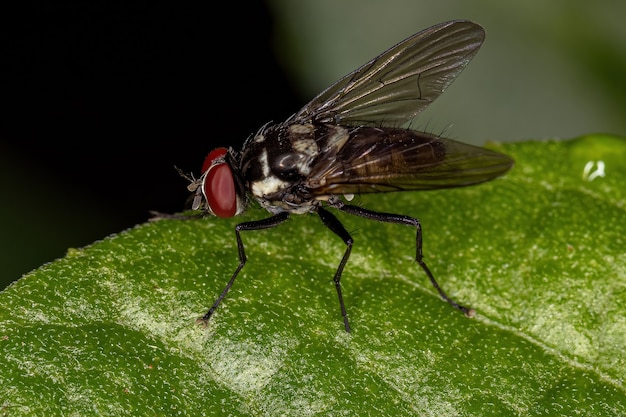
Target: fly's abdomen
[394, 159]
[386, 153]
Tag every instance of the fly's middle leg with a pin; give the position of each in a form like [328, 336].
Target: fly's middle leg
[335, 225]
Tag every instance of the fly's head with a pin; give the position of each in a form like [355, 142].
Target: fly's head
[219, 190]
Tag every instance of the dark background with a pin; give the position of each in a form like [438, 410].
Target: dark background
[101, 100]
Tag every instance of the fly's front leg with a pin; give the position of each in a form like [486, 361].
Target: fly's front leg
[335, 225]
[408, 221]
[254, 225]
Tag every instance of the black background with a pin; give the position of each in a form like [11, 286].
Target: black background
[101, 100]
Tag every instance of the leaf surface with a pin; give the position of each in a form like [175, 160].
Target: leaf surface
[110, 329]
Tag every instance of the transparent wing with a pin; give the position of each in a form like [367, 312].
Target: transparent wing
[394, 87]
[387, 159]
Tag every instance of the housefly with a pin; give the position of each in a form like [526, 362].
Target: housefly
[350, 140]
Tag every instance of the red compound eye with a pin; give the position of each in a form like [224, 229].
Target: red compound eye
[219, 185]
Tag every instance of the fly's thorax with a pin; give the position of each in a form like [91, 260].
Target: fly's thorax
[277, 161]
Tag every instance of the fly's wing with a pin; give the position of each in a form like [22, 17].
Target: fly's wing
[394, 87]
[388, 159]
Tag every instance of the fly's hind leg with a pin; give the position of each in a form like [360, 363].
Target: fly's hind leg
[408, 221]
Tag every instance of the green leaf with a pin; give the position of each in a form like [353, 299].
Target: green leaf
[540, 254]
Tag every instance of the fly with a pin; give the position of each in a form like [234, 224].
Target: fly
[350, 140]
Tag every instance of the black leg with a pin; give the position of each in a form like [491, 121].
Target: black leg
[408, 221]
[254, 225]
[335, 225]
